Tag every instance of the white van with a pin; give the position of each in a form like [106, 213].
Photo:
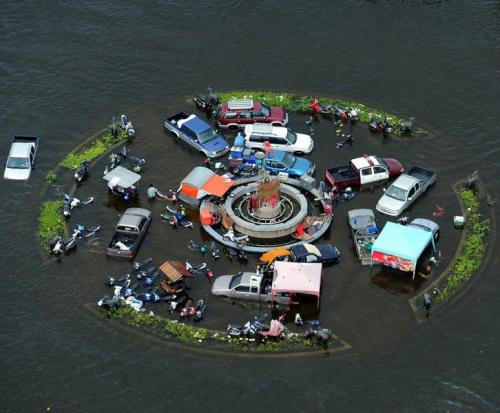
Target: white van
[280, 138]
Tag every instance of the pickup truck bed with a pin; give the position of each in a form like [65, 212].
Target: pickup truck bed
[172, 120]
[425, 176]
[344, 174]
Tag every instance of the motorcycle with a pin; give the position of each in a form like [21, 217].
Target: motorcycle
[82, 231]
[137, 265]
[133, 162]
[141, 274]
[151, 279]
[407, 127]
[71, 203]
[239, 240]
[112, 281]
[127, 126]
[208, 103]
[194, 311]
[250, 329]
[378, 126]
[82, 172]
[245, 170]
[58, 245]
[194, 246]
[215, 251]
[322, 335]
[200, 269]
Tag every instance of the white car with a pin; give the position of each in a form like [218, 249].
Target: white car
[280, 138]
[21, 158]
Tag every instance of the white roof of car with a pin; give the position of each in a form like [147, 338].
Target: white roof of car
[20, 149]
[265, 129]
[365, 161]
[404, 181]
[236, 104]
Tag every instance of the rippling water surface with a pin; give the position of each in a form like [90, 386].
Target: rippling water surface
[66, 67]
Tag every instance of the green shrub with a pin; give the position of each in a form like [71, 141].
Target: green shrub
[300, 103]
[51, 177]
[96, 149]
[474, 247]
[51, 221]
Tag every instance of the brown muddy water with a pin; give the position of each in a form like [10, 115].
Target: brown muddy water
[69, 66]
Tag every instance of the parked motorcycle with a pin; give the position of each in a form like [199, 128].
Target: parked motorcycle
[322, 335]
[70, 203]
[407, 127]
[82, 172]
[58, 245]
[112, 281]
[190, 310]
[137, 265]
[151, 279]
[250, 329]
[127, 126]
[215, 251]
[376, 125]
[239, 240]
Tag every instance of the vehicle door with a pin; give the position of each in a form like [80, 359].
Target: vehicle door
[141, 228]
[187, 135]
[380, 173]
[279, 143]
[255, 141]
[412, 193]
[230, 117]
[245, 118]
[258, 116]
[241, 291]
[366, 175]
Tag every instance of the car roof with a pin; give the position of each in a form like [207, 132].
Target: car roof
[20, 149]
[196, 124]
[132, 216]
[265, 129]
[277, 155]
[405, 181]
[226, 107]
[365, 161]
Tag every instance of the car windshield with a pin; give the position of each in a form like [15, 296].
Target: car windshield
[291, 137]
[266, 110]
[206, 135]
[381, 162]
[18, 163]
[288, 160]
[235, 281]
[396, 193]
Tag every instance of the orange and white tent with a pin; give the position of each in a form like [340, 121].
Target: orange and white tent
[201, 182]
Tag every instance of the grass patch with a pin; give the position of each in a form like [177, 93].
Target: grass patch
[51, 177]
[196, 336]
[96, 149]
[51, 221]
[300, 103]
[474, 247]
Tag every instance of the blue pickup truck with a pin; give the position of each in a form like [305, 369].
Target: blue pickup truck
[197, 133]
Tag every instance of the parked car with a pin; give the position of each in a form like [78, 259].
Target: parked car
[324, 253]
[364, 232]
[237, 113]
[362, 171]
[426, 225]
[247, 286]
[405, 190]
[21, 158]
[197, 133]
[280, 138]
[295, 166]
[129, 233]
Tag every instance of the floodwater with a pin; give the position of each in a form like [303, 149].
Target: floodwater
[68, 67]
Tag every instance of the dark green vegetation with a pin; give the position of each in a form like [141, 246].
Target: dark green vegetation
[196, 336]
[300, 103]
[51, 221]
[51, 177]
[96, 149]
[474, 245]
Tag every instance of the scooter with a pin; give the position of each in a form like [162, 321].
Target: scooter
[208, 103]
[71, 203]
[215, 251]
[194, 246]
[406, 128]
[195, 311]
[129, 291]
[137, 265]
[82, 172]
[112, 281]
[250, 329]
[151, 279]
[378, 126]
[322, 335]
[58, 245]
[82, 231]
[141, 274]
[126, 125]
[348, 139]
[239, 240]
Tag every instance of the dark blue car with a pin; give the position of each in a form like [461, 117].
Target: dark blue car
[295, 166]
[198, 134]
[324, 253]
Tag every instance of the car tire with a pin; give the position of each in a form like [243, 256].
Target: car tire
[276, 124]
[299, 153]
[233, 127]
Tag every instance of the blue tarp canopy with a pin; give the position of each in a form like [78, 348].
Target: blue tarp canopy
[402, 241]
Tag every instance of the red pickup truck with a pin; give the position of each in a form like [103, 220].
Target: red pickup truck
[362, 171]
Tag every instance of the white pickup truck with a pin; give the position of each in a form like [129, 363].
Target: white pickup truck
[405, 190]
[21, 158]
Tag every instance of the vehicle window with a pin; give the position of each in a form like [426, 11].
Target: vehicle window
[257, 114]
[378, 170]
[417, 187]
[275, 141]
[206, 135]
[254, 290]
[32, 150]
[411, 193]
[396, 193]
[245, 115]
[256, 138]
[266, 110]
[311, 258]
[142, 223]
[18, 163]
[230, 115]
[235, 280]
[366, 171]
[242, 288]
[289, 160]
[291, 137]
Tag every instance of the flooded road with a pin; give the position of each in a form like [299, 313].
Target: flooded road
[69, 67]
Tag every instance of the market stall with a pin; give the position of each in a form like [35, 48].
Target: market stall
[297, 278]
[201, 182]
[400, 247]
